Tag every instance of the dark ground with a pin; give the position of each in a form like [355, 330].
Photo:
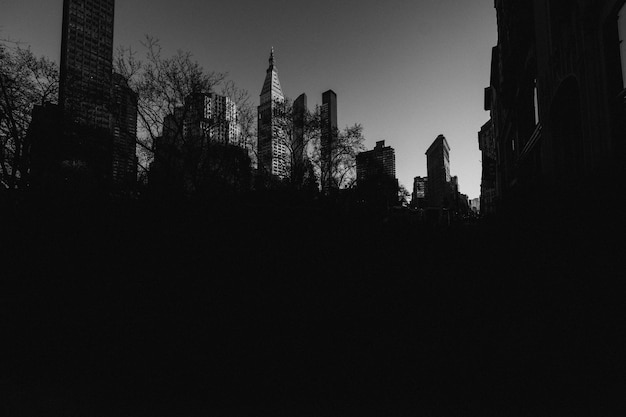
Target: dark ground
[261, 310]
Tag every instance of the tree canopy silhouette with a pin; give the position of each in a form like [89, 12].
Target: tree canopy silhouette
[25, 81]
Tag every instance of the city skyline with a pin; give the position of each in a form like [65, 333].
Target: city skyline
[159, 262]
[420, 75]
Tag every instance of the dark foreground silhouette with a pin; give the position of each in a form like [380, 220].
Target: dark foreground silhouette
[240, 310]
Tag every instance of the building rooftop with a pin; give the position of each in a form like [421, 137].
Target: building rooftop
[272, 83]
[441, 139]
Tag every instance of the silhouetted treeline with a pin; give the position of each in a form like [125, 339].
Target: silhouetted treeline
[287, 308]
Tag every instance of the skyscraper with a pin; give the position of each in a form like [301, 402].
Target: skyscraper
[201, 147]
[213, 117]
[438, 165]
[328, 137]
[273, 152]
[99, 108]
[376, 175]
[87, 61]
[297, 148]
[124, 112]
[488, 184]
[420, 189]
[380, 161]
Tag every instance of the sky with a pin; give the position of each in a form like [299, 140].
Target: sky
[407, 70]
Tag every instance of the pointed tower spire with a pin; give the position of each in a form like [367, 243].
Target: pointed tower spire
[271, 85]
[271, 59]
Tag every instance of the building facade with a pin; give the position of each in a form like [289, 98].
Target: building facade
[379, 162]
[99, 110]
[298, 151]
[420, 189]
[459, 202]
[200, 148]
[212, 117]
[556, 100]
[124, 112]
[87, 61]
[376, 175]
[438, 166]
[329, 137]
[488, 187]
[273, 153]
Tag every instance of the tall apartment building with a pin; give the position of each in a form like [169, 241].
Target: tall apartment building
[200, 145]
[488, 186]
[124, 120]
[420, 189]
[380, 161]
[329, 132]
[273, 152]
[438, 166]
[98, 107]
[203, 118]
[376, 175]
[87, 61]
[213, 117]
[298, 146]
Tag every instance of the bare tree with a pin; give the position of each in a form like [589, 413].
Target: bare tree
[304, 147]
[297, 133]
[246, 118]
[25, 80]
[343, 154]
[162, 84]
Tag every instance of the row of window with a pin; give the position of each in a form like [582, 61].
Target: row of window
[91, 35]
[86, 63]
[91, 6]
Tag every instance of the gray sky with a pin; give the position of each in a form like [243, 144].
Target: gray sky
[407, 70]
